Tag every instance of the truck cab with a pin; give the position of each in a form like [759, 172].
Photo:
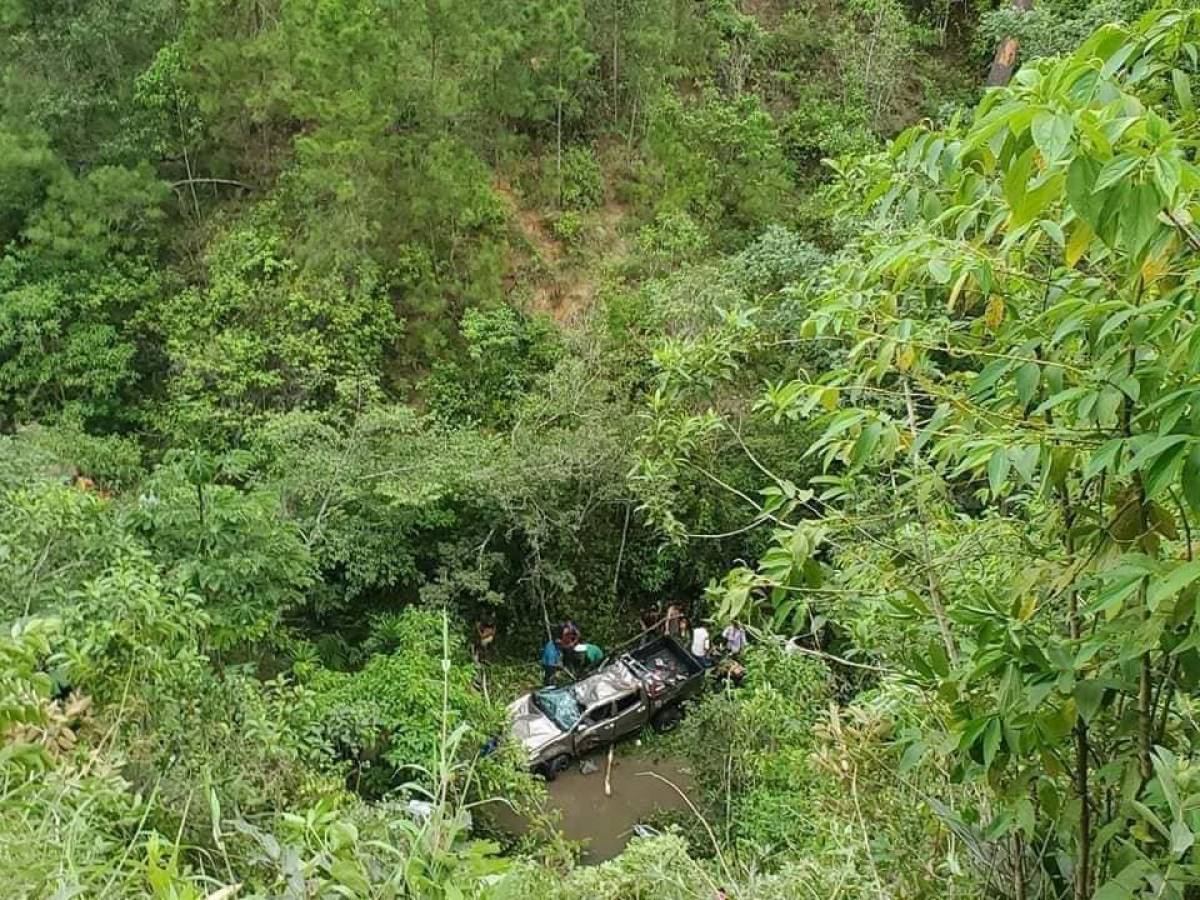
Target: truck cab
[610, 720]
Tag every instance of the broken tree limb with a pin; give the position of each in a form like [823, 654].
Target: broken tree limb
[608, 773]
[192, 182]
[1004, 63]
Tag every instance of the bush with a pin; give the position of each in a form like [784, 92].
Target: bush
[582, 179]
[777, 258]
[505, 351]
[792, 781]
[749, 751]
[671, 239]
[568, 227]
[389, 718]
[819, 129]
[228, 545]
[720, 161]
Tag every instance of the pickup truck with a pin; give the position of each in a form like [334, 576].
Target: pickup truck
[643, 686]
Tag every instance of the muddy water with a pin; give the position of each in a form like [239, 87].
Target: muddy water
[605, 823]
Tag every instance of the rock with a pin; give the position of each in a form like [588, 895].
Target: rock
[587, 767]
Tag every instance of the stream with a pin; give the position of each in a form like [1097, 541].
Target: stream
[605, 824]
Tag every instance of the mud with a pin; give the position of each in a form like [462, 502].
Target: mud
[605, 824]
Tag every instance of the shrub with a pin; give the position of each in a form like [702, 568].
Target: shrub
[387, 718]
[582, 179]
[568, 227]
[671, 239]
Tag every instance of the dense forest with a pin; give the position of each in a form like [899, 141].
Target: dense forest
[334, 332]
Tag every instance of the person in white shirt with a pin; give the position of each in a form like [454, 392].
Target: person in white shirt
[700, 644]
[735, 638]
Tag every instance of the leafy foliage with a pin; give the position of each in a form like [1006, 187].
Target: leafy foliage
[392, 708]
[1015, 359]
[329, 329]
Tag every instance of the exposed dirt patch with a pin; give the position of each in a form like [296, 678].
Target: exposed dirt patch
[562, 283]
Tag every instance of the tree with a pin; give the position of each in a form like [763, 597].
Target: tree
[70, 336]
[267, 333]
[721, 161]
[68, 71]
[1019, 366]
[557, 66]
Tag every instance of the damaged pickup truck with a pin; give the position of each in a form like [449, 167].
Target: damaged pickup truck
[645, 685]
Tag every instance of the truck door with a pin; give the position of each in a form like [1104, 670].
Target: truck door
[595, 728]
[629, 714]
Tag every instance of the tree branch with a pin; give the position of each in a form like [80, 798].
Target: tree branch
[188, 182]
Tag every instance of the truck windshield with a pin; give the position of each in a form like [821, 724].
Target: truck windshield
[559, 706]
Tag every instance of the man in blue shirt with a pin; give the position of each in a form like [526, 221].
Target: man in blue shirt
[551, 662]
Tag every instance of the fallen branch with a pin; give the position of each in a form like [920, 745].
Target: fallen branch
[188, 182]
[703, 821]
[837, 659]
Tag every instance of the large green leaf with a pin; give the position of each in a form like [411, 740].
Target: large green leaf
[1027, 380]
[1183, 90]
[1163, 588]
[1115, 171]
[1139, 217]
[1145, 456]
[1088, 695]
[1081, 190]
[1052, 133]
[997, 469]
[1103, 458]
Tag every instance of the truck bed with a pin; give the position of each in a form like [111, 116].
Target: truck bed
[665, 668]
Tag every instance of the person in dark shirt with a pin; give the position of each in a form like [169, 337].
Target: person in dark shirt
[485, 636]
[673, 622]
[569, 635]
[651, 622]
[683, 633]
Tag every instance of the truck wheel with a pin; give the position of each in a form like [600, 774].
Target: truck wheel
[667, 719]
[551, 768]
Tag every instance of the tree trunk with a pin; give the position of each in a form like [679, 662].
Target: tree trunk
[1004, 63]
[1083, 865]
[1145, 712]
[616, 49]
[558, 152]
[558, 135]
[1019, 887]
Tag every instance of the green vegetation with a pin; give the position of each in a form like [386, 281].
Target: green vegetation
[331, 328]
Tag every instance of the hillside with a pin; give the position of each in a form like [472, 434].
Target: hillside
[361, 359]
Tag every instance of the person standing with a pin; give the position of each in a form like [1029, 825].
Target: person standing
[651, 619]
[701, 645]
[735, 637]
[673, 622]
[570, 634]
[551, 662]
[684, 634]
[485, 635]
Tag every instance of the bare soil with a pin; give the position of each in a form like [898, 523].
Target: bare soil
[561, 284]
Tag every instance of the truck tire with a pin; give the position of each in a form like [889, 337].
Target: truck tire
[551, 768]
[667, 719]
